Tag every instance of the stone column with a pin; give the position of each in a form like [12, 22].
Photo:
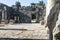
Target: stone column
[18, 18]
[3, 15]
[5, 9]
[37, 15]
[3, 18]
[15, 18]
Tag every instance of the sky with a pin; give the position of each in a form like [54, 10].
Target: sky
[23, 2]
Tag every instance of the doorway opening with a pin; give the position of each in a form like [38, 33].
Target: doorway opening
[33, 16]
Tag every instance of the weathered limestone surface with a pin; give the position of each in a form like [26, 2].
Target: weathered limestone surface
[52, 17]
[56, 29]
[50, 4]
[33, 31]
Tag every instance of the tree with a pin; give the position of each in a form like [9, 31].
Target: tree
[33, 5]
[41, 3]
[17, 5]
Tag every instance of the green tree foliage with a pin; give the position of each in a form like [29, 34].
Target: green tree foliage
[18, 4]
[41, 3]
[33, 5]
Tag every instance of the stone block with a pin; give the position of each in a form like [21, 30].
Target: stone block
[11, 22]
[42, 22]
[2, 21]
[6, 21]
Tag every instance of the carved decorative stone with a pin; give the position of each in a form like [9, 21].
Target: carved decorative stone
[11, 22]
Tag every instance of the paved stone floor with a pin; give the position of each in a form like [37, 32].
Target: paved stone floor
[30, 31]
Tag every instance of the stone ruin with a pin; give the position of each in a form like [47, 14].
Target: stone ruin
[53, 19]
[23, 15]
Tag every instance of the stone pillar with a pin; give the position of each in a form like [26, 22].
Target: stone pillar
[37, 15]
[5, 12]
[18, 18]
[3, 15]
[15, 18]
[5, 9]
